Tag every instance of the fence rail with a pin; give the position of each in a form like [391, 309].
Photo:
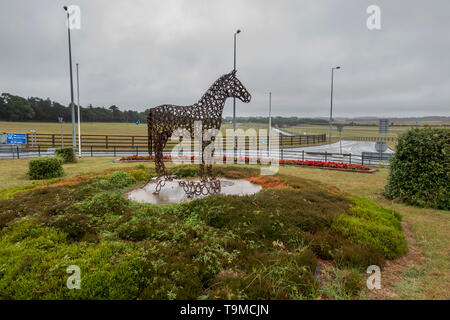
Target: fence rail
[282, 154]
[393, 139]
[43, 140]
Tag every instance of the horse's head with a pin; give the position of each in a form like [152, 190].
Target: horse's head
[234, 88]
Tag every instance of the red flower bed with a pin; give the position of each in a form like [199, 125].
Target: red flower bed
[306, 163]
[324, 164]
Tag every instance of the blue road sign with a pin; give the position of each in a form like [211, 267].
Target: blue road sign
[383, 126]
[137, 122]
[16, 138]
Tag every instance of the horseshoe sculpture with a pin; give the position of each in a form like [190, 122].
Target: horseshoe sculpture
[163, 120]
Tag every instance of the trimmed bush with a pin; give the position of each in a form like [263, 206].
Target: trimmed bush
[371, 225]
[75, 225]
[419, 170]
[262, 246]
[121, 179]
[359, 257]
[103, 203]
[140, 175]
[186, 171]
[45, 168]
[67, 154]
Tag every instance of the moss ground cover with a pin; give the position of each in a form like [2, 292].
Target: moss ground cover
[266, 245]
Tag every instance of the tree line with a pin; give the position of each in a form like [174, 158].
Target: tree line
[280, 121]
[16, 108]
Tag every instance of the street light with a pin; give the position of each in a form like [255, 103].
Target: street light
[270, 121]
[61, 120]
[331, 103]
[234, 98]
[79, 121]
[74, 140]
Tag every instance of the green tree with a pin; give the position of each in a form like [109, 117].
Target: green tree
[15, 108]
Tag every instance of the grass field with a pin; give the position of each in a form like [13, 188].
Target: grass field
[348, 131]
[94, 128]
[141, 129]
[427, 279]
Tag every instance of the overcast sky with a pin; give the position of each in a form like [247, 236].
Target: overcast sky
[138, 54]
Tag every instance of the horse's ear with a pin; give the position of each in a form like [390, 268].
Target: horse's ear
[233, 73]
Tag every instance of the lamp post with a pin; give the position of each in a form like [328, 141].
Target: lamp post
[74, 140]
[270, 121]
[331, 101]
[79, 116]
[61, 120]
[234, 99]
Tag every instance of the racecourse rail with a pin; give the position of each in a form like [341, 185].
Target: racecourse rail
[117, 146]
[106, 142]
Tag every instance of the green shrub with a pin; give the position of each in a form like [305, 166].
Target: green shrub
[75, 225]
[263, 246]
[140, 175]
[121, 179]
[324, 243]
[104, 203]
[352, 282]
[271, 275]
[358, 256]
[67, 154]
[186, 171]
[420, 169]
[134, 231]
[45, 168]
[342, 284]
[369, 224]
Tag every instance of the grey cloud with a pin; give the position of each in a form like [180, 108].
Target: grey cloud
[137, 54]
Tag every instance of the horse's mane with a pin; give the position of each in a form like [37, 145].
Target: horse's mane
[215, 85]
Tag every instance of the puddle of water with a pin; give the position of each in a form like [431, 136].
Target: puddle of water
[173, 193]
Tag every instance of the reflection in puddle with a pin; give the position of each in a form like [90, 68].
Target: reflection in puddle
[173, 193]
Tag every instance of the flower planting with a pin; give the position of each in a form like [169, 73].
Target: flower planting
[249, 160]
[262, 246]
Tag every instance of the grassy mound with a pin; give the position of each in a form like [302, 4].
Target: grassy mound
[263, 246]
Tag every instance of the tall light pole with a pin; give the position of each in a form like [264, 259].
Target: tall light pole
[61, 120]
[74, 140]
[331, 101]
[270, 121]
[234, 99]
[79, 121]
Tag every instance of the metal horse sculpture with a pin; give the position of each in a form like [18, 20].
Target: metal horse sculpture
[163, 120]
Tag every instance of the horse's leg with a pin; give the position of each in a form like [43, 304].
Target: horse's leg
[202, 162]
[209, 166]
[159, 166]
[161, 140]
[164, 137]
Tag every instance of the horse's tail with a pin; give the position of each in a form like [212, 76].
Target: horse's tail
[150, 134]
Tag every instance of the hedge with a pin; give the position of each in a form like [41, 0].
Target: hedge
[45, 168]
[374, 226]
[67, 154]
[419, 171]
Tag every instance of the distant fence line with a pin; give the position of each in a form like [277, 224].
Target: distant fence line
[393, 139]
[97, 141]
[122, 145]
[366, 158]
